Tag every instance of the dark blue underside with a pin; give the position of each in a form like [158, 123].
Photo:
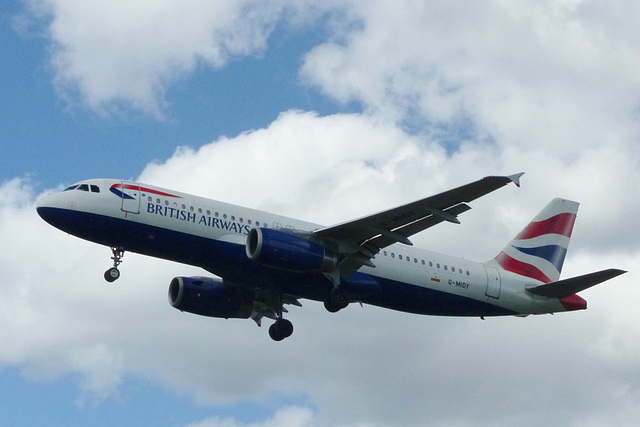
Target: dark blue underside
[230, 262]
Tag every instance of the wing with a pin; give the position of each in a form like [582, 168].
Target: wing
[360, 240]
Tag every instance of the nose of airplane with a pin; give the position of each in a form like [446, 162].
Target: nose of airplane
[47, 206]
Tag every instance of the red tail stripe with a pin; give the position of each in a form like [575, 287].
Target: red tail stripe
[521, 268]
[560, 224]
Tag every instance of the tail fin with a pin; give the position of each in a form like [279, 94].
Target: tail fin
[539, 250]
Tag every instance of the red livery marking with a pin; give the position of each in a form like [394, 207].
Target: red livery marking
[145, 189]
[561, 224]
[573, 302]
[159, 193]
[434, 279]
[521, 268]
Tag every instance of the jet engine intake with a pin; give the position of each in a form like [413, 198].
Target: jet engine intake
[208, 296]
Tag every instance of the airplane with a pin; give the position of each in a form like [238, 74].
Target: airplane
[263, 261]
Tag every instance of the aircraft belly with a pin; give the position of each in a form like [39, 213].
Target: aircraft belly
[422, 300]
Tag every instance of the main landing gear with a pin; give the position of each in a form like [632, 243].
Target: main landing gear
[336, 301]
[281, 329]
[113, 274]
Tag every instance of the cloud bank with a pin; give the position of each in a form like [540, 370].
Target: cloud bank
[448, 95]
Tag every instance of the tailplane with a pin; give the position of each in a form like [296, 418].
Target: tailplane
[568, 287]
[539, 250]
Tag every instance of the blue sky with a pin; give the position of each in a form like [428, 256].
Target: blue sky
[324, 111]
[45, 130]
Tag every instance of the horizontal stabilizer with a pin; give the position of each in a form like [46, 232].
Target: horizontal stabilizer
[566, 287]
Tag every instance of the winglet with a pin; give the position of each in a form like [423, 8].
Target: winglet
[516, 178]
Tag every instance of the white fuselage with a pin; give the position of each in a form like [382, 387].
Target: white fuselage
[212, 235]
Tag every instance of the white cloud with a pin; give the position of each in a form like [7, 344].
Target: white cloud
[498, 62]
[395, 368]
[543, 85]
[291, 416]
[119, 55]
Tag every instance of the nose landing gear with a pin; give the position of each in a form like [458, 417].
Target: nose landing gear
[113, 274]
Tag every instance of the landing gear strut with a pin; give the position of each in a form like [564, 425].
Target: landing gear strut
[112, 274]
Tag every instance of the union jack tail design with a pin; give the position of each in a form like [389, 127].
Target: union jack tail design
[539, 250]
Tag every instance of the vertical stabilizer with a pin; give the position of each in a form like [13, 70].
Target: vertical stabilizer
[539, 250]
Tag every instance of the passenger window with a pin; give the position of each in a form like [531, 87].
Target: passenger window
[423, 263]
[393, 255]
[95, 189]
[445, 267]
[399, 256]
[430, 264]
[438, 265]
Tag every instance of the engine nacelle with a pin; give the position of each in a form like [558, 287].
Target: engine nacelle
[284, 250]
[207, 296]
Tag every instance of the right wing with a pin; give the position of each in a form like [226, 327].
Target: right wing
[360, 240]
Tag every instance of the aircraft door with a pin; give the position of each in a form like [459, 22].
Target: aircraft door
[130, 197]
[493, 282]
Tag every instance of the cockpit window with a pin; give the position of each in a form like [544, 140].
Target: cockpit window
[84, 187]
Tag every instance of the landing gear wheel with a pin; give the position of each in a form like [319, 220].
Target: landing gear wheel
[112, 274]
[337, 300]
[281, 329]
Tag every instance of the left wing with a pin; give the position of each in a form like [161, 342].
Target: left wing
[360, 240]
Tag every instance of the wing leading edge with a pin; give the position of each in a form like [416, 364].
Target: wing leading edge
[360, 240]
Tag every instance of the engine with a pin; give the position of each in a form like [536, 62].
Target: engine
[208, 297]
[287, 251]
